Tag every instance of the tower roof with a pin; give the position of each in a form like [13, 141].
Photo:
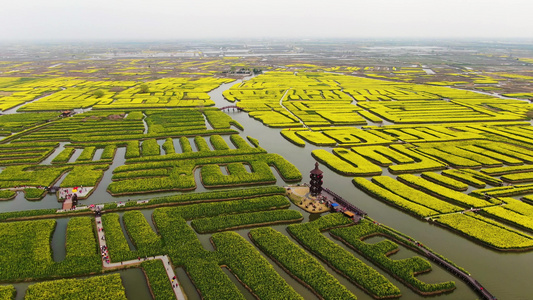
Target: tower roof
[316, 170]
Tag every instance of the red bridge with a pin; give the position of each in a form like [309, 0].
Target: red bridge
[233, 107]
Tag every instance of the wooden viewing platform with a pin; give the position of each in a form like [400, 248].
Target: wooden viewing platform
[345, 203]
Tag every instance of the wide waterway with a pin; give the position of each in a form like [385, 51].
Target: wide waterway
[505, 275]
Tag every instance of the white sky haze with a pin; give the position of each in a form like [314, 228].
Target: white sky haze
[165, 19]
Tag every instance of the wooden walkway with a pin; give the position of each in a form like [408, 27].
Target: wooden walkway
[164, 258]
[464, 276]
[357, 211]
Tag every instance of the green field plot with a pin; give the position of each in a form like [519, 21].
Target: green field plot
[518, 177]
[157, 278]
[117, 244]
[393, 199]
[84, 175]
[17, 122]
[7, 194]
[27, 175]
[150, 147]
[471, 177]
[28, 245]
[508, 170]
[382, 155]
[230, 222]
[237, 174]
[514, 212]
[508, 160]
[220, 195]
[355, 136]
[251, 268]
[7, 292]
[292, 137]
[220, 120]
[146, 241]
[176, 171]
[505, 191]
[445, 193]
[30, 256]
[415, 195]
[453, 160]
[100, 287]
[342, 261]
[422, 163]
[344, 167]
[168, 146]
[487, 232]
[87, 126]
[203, 266]
[299, 263]
[316, 138]
[174, 121]
[63, 156]
[365, 167]
[25, 153]
[404, 269]
[445, 181]
[87, 154]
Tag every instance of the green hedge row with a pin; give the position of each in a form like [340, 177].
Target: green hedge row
[87, 154]
[227, 222]
[251, 268]
[7, 292]
[150, 147]
[391, 198]
[415, 195]
[132, 149]
[147, 242]
[211, 281]
[28, 255]
[238, 175]
[405, 269]
[168, 146]
[299, 263]
[64, 156]
[445, 181]
[117, 244]
[447, 194]
[309, 235]
[218, 142]
[99, 287]
[158, 280]
[84, 175]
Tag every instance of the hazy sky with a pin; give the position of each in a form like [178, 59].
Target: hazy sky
[175, 19]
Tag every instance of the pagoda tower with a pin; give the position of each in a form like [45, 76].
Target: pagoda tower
[316, 181]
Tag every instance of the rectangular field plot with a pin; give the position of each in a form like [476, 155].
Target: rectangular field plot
[487, 232]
